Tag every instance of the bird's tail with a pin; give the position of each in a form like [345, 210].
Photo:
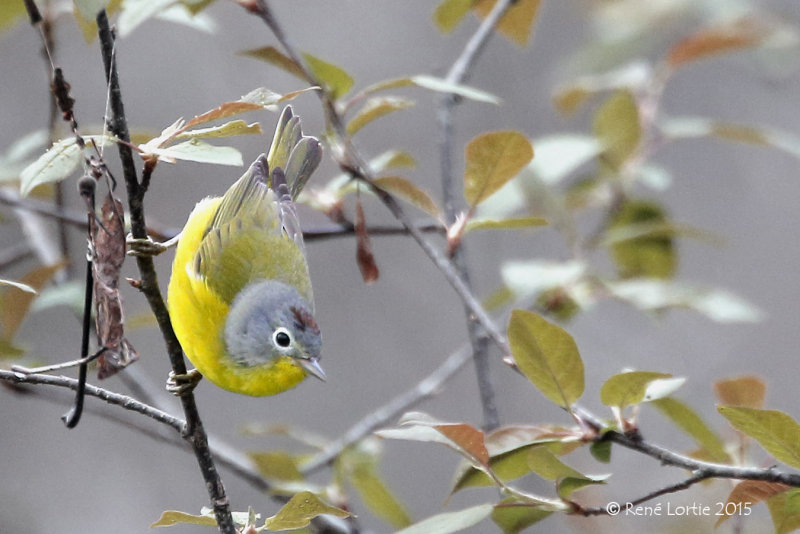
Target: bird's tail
[295, 154]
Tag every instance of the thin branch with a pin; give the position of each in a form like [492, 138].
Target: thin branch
[124, 401]
[77, 219]
[426, 388]
[351, 163]
[674, 488]
[194, 432]
[458, 73]
[227, 456]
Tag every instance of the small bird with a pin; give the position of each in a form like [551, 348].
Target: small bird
[240, 295]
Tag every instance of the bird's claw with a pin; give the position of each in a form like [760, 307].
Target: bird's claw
[180, 385]
[144, 247]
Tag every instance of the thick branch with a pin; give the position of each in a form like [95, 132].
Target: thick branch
[194, 431]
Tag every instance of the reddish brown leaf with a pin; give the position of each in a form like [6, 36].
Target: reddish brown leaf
[743, 33]
[743, 391]
[468, 438]
[364, 257]
[108, 240]
[749, 492]
[226, 109]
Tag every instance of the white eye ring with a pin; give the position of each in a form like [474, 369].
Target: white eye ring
[281, 338]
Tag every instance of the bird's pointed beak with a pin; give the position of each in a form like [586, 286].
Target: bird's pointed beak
[312, 367]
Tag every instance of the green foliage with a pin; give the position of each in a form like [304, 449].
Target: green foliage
[626, 389]
[492, 160]
[683, 417]
[548, 356]
[776, 431]
[334, 78]
[650, 253]
[616, 126]
[448, 522]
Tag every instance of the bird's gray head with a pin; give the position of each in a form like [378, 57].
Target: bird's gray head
[270, 319]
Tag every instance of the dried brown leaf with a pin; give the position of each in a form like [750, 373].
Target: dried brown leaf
[364, 257]
[108, 240]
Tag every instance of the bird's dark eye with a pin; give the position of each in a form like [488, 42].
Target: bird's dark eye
[282, 338]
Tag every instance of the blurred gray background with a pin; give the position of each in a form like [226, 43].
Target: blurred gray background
[382, 339]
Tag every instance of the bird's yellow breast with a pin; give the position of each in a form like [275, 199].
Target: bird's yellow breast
[198, 317]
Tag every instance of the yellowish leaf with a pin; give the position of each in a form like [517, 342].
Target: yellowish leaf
[517, 22]
[492, 160]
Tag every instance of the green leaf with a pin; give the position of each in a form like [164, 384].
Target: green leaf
[134, 13]
[229, 129]
[651, 255]
[746, 391]
[449, 13]
[656, 295]
[514, 516]
[392, 159]
[375, 108]
[65, 294]
[627, 389]
[511, 223]
[517, 21]
[440, 85]
[17, 155]
[409, 192]
[508, 448]
[601, 451]
[360, 467]
[492, 159]
[548, 356]
[776, 431]
[784, 508]
[433, 83]
[200, 152]
[18, 285]
[545, 464]
[275, 57]
[90, 8]
[558, 156]
[683, 417]
[336, 79]
[746, 494]
[10, 13]
[174, 517]
[528, 279]
[616, 126]
[300, 510]
[276, 465]
[55, 165]
[448, 522]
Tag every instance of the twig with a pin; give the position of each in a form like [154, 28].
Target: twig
[458, 73]
[680, 486]
[129, 403]
[77, 219]
[227, 456]
[391, 410]
[352, 164]
[193, 431]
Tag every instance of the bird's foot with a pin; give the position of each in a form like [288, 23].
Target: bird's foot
[180, 385]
